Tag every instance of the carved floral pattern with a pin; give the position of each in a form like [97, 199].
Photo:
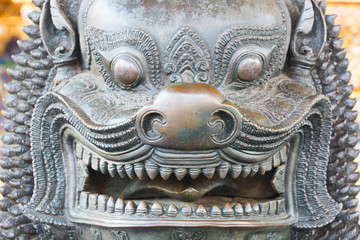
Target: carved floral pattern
[187, 58]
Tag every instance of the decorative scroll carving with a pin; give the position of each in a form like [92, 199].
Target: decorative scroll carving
[237, 38]
[310, 35]
[119, 235]
[138, 39]
[53, 22]
[188, 234]
[96, 234]
[260, 236]
[187, 58]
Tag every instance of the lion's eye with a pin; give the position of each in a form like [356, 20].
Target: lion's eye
[127, 70]
[250, 67]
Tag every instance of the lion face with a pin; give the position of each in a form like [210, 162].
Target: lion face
[184, 114]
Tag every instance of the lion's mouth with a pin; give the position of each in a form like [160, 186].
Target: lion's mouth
[152, 189]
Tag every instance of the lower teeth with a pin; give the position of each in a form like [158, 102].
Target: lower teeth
[106, 204]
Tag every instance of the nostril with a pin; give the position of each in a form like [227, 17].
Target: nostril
[147, 122]
[188, 117]
[225, 124]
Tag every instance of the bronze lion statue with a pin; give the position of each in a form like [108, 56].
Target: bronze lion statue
[180, 120]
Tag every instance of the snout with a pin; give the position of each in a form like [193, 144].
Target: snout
[188, 116]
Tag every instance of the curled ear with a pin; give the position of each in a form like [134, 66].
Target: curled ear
[309, 37]
[57, 32]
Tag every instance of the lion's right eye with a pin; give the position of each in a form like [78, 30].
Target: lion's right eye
[127, 70]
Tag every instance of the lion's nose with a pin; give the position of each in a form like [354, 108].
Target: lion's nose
[189, 116]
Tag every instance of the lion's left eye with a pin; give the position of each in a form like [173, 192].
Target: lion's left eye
[249, 67]
[127, 70]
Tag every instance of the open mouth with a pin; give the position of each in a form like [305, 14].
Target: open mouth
[219, 192]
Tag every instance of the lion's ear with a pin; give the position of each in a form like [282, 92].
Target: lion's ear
[309, 37]
[57, 32]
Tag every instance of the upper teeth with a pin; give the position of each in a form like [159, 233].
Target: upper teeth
[152, 169]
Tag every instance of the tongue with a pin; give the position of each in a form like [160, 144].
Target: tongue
[189, 190]
[186, 190]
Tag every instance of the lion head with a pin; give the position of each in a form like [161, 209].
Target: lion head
[190, 120]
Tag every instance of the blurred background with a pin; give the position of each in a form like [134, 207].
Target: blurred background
[13, 15]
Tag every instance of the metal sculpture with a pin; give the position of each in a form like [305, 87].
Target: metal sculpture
[180, 120]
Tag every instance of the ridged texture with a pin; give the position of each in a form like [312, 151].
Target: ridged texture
[342, 177]
[30, 76]
[333, 82]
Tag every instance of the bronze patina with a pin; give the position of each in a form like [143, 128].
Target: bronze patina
[180, 120]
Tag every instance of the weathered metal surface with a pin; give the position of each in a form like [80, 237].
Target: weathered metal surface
[180, 120]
